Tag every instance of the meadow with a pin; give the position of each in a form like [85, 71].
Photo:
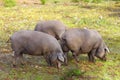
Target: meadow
[103, 17]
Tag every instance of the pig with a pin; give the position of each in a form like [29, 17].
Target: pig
[38, 44]
[52, 27]
[80, 41]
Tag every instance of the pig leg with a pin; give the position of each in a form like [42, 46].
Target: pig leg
[75, 54]
[91, 55]
[58, 64]
[16, 58]
[48, 60]
[21, 58]
[66, 56]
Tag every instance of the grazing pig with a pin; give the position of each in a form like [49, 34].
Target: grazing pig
[37, 43]
[84, 41]
[52, 27]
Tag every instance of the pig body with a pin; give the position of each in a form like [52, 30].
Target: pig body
[52, 27]
[80, 41]
[37, 43]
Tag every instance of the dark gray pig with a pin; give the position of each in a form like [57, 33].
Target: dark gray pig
[52, 27]
[84, 41]
[39, 44]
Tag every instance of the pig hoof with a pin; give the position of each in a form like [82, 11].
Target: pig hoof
[23, 63]
[77, 61]
[104, 60]
[66, 64]
[14, 66]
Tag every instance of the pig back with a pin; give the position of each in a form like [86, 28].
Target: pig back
[52, 27]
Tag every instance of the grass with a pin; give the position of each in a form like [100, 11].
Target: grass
[103, 17]
[9, 3]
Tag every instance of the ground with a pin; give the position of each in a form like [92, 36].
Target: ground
[103, 17]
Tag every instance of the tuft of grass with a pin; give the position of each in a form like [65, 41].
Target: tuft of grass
[74, 72]
[56, 1]
[43, 2]
[76, 1]
[9, 3]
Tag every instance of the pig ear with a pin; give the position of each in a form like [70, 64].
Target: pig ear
[107, 50]
[60, 57]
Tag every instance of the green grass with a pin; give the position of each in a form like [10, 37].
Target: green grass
[101, 17]
[9, 3]
[43, 1]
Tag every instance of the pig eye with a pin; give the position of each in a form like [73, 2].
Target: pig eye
[105, 50]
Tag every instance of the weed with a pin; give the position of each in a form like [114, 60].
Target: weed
[56, 1]
[9, 3]
[43, 2]
[72, 73]
[76, 1]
